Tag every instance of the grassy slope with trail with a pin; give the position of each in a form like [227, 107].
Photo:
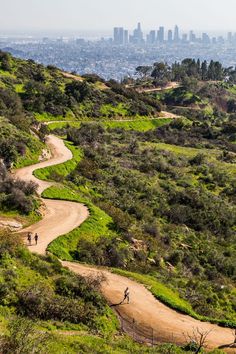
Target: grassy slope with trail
[61, 170]
[138, 125]
[94, 227]
[99, 225]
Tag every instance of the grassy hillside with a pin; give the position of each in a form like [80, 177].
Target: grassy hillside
[46, 93]
[176, 200]
[161, 194]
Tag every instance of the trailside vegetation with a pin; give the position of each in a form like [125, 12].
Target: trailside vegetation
[161, 73]
[173, 210]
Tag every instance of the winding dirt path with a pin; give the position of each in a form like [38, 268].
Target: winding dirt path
[62, 217]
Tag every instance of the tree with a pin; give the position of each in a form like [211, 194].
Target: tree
[144, 71]
[198, 340]
[161, 72]
[204, 70]
[8, 152]
[78, 90]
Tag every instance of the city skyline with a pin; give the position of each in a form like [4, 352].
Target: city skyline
[175, 35]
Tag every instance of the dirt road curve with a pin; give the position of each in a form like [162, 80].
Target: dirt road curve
[61, 217]
[168, 325]
[171, 85]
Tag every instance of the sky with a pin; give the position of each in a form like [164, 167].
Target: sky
[102, 15]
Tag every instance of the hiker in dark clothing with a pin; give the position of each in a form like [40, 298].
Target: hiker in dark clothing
[36, 237]
[29, 238]
[126, 295]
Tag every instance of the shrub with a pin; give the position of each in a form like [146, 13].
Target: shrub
[16, 194]
[9, 243]
[41, 302]
[23, 337]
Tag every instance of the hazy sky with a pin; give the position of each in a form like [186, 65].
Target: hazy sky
[104, 14]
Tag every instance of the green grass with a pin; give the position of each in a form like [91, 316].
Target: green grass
[95, 226]
[169, 297]
[62, 169]
[108, 109]
[90, 344]
[19, 88]
[47, 117]
[138, 125]
[182, 150]
[60, 125]
[6, 74]
[31, 156]
[212, 155]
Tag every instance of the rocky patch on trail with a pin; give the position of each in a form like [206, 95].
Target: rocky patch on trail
[13, 225]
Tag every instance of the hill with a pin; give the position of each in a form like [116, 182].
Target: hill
[161, 195]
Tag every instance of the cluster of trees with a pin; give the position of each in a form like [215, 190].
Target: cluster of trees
[162, 73]
[16, 194]
[174, 217]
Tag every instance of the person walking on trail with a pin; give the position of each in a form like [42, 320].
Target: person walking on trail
[126, 295]
[36, 237]
[29, 238]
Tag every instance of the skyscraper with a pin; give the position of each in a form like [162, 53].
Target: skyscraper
[170, 36]
[176, 34]
[229, 37]
[151, 38]
[205, 38]
[161, 34]
[126, 36]
[118, 35]
[137, 37]
[192, 37]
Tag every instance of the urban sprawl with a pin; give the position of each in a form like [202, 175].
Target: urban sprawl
[119, 55]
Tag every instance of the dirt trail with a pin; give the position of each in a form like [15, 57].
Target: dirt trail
[163, 114]
[62, 217]
[72, 76]
[171, 85]
[168, 325]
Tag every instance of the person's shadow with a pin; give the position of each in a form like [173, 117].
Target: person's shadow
[118, 304]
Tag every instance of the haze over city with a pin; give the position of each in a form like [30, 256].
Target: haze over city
[102, 15]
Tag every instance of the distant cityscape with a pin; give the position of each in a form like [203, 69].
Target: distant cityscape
[121, 36]
[117, 56]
